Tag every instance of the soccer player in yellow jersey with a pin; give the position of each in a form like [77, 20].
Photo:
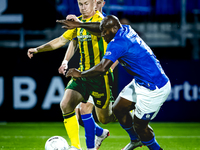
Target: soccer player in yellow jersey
[92, 49]
[84, 110]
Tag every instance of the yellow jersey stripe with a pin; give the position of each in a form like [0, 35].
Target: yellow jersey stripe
[92, 48]
[96, 50]
[107, 91]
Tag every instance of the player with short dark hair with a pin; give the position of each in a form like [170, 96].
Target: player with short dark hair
[149, 88]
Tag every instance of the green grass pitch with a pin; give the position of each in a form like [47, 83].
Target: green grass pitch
[32, 136]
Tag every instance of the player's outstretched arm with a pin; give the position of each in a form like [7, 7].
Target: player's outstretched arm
[92, 27]
[31, 51]
[72, 48]
[99, 69]
[114, 65]
[52, 45]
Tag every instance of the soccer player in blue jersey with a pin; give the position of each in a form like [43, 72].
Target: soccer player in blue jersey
[149, 88]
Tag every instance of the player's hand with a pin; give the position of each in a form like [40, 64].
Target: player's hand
[31, 51]
[73, 73]
[63, 67]
[72, 18]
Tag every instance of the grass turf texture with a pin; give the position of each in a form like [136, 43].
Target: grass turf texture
[32, 136]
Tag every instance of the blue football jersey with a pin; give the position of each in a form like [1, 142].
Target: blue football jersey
[104, 14]
[137, 58]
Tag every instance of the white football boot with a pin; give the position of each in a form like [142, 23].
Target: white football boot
[132, 145]
[99, 139]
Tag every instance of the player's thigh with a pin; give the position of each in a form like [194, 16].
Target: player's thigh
[149, 101]
[126, 99]
[79, 85]
[122, 106]
[100, 91]
[70, 100]
[129, 93]
[86, 108]
[104, 114]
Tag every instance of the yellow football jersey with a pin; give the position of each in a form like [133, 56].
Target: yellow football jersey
[92, 48]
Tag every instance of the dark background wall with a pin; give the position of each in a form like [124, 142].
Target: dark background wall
[31, 90]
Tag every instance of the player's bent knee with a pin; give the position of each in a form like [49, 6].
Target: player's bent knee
[86, 108]
[62, 106]
[104, 120]
[105, 115]
[137, 127]
[107, 119]
[140, 128]
[117, 112]
[65, 107]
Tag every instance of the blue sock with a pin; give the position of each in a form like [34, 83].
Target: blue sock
[90, 129]
[99, 130]
[152, 144]
[130, 130]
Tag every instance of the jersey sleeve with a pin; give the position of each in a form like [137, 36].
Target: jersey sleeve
[115, 50]
[70, 34]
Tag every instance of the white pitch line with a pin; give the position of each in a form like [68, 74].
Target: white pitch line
[22, 137]
[181, 137]
[113, 137]
[159, 137]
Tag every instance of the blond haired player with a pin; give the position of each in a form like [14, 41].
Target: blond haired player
[85, 109]
[92, 49]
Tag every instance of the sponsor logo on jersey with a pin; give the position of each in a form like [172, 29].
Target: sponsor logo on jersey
[108, 53]
[97, 95]
[112, 40]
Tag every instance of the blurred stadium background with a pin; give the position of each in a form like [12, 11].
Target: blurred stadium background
[30, 90]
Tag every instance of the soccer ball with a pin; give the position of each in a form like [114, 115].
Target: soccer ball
[56, 143]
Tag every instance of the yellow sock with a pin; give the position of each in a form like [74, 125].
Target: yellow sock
[72, 128]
